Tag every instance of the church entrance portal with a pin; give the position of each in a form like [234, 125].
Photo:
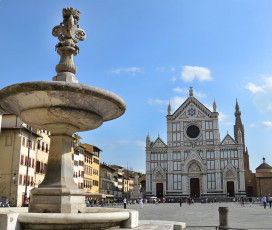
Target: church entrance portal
[194, 187]
[230, 188]
[159, 190]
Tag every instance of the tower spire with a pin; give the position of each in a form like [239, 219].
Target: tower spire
[169, 108]
[214, 106]
[239, 133]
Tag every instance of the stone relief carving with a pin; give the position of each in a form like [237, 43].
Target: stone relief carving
[68, 33]
[194, 168]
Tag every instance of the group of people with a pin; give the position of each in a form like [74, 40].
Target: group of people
[141, 203]
[266, 200]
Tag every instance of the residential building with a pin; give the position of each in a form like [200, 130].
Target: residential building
[16, 141]
[42, 152]
[118, 184]
[88, 170]
[95, 169]
[106, 181]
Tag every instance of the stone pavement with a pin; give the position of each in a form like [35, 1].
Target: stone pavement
[204, 216]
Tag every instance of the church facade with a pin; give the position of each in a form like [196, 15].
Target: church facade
[195, 162]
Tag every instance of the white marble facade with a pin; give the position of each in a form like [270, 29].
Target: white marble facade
[194, 162]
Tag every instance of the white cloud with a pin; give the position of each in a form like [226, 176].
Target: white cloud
[173, 79]
[130, 70]
[173, 69]
[176, 102]
[267, 124]
[262, 93]
[157, 102]
[254, 88]
[141, 144]
[252, 125]
[228, 123]
[222, 116]
[189, 73]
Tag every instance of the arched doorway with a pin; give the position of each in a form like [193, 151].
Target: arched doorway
[159, 190]
[194, 187]
[230, 188]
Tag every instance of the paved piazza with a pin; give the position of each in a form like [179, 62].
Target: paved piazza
[255, 217]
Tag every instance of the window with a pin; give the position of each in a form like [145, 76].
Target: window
[176, 181]
[33, 163]
[24, 180]
[37, 167]
[209, 135]
[20, 179]
[210, 154]
[174, 127]
[25, 161]
[176, 156]
[235, 163]
[39, 144]
[211, 180]
[223, 164]
[209, 125]
[46, 148]
[186, 152]
[29, 162]
[210, 165]
[176, 165]
[24, 141]
[43, 148]
[22, 160]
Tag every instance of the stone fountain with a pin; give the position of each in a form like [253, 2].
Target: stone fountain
[63, 106]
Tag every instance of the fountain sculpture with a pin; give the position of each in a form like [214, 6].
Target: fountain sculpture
[63, 106]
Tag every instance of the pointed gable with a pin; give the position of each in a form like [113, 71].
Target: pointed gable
[228, 140]
[158, 143]
[192, 108]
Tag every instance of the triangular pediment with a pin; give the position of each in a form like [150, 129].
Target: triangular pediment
[158, 143]
[229, 172]
[159, 173]
[228, 140]
[193, 109]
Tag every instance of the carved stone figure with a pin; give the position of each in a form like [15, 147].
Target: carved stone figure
[68, 33]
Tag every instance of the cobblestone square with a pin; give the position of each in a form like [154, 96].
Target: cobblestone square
[204, 216]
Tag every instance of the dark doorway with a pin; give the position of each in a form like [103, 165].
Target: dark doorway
[194, 187]
[230, 188]
[159, 190]
[249, 190]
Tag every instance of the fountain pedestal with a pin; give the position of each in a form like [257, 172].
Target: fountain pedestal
[58, 192]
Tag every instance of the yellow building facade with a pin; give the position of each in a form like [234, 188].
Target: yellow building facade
[95, 167]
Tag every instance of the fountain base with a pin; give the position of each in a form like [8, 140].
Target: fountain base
[55, 200]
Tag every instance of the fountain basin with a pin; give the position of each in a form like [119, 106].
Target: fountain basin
[45, 104]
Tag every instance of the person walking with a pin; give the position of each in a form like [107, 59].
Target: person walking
[242, 202]
[264, 201]
[250, 201]
[141, 203]
[269, 199]
[180, 201]
[125, 203]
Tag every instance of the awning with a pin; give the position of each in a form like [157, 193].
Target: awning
[94, 195]
[109, 196]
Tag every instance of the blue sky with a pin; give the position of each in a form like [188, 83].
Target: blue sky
[149, 52]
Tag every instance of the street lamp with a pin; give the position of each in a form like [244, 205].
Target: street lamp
[27, 165]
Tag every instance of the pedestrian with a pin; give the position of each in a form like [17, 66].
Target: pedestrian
[163, 200]
[264, 201]
[141, 203]
[269, 199]
[250, 201]
[242, 202]
[125, 203]
[180, 201]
